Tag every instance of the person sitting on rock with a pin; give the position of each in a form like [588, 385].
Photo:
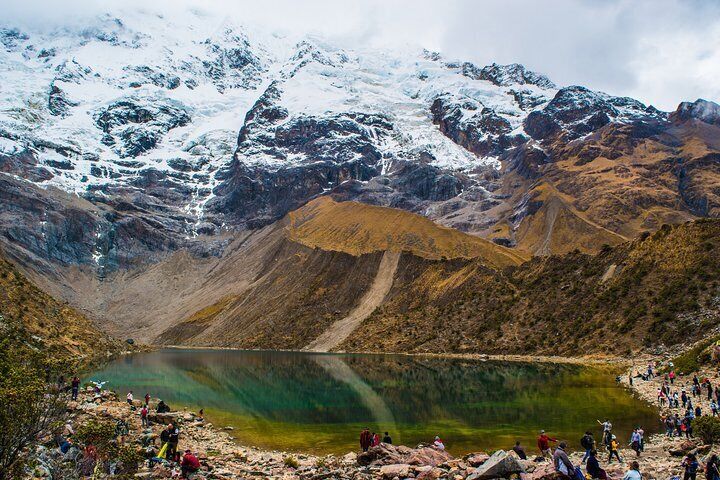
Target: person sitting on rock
[387, 439]
[561, 461]
[438, 443]
[634, 472]
[189, 464]
[593, 467]
[520, 451]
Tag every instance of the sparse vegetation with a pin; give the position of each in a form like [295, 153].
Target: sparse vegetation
[707, 428]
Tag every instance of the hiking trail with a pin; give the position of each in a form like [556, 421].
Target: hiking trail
[340, 330]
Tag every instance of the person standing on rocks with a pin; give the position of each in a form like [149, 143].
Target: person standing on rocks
[636, 442]
[712, 468]
[75, 387]
[671, 376]
[691, 465]
[147, 399]
[365, 439]
[607, 431]
[173, 442]
[387, 439]
[613, 448]
[130, 398]
[588, 443]
[543, 443]
[144, 416]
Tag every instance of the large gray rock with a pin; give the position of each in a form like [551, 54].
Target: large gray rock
[499, 465]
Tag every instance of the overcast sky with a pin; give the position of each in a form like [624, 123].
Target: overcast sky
[659, 51]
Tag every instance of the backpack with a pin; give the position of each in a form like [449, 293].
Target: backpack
[585, 442]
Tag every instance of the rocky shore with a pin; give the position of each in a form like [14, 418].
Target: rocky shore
[222, 458]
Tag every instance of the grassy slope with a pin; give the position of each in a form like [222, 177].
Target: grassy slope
[358, 229]
[61, 329]
[664, 290]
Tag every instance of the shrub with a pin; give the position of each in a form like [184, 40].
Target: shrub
[707, 428]
[291, 462]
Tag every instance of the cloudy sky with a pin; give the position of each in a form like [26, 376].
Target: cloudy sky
[659, 51]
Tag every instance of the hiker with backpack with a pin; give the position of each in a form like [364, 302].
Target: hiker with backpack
[691, 465]
[588, 443]
[561, 461]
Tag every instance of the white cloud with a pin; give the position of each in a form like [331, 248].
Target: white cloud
[661, 51]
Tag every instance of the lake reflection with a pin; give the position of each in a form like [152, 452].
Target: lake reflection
[319, 403]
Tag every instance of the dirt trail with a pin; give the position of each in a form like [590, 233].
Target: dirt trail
[340, 330]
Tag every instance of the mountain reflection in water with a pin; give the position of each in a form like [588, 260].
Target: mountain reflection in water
[318, 402]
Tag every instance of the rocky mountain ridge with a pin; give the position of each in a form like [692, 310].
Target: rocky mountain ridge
[133, 145]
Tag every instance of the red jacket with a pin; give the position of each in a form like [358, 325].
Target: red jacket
[189, 460]
[543, 442]
[365, 439]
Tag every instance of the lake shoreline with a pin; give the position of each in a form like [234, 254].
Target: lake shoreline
[588, 360]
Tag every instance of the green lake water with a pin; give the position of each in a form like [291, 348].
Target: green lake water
[319, 402]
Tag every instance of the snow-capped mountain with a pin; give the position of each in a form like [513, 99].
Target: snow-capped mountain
[179, 130]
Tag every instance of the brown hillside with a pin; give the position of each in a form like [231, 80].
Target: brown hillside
[61, 329]
[357, 229]
[659, 290]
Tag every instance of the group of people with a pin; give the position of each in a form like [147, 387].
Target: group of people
[371, 439]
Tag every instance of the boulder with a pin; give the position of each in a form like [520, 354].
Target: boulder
[544, 471]
[401, 470]
[499, 465]
[477, 459]
[383, 454]
[428, 456]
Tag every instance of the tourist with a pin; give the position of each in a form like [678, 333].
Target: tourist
[698, 411]
[636, 441]
[687, 425]
[669, 425]
[365, 439]
[162, 407]
[543, 443]
[376, 439]
[714, 408]
[190, 464]
[684, 399]
[520, 451]
[709, 387]
[75, 387]
[613, 449]
[144, 416]
[173, 441]
[130, 398]
[712, 468]
[661, 397]
[562, 462]
[588, 443]
[672, 377]
[147, 399]
[439, 444]
[607, 430]
[593, 467]
[387, 439]
[641, 432]
[634, 472]
[691, 465]
[165, 438]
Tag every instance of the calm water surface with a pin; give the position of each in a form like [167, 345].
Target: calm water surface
[319, 402]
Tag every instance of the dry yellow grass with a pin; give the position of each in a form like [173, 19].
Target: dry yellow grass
[358, 229]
